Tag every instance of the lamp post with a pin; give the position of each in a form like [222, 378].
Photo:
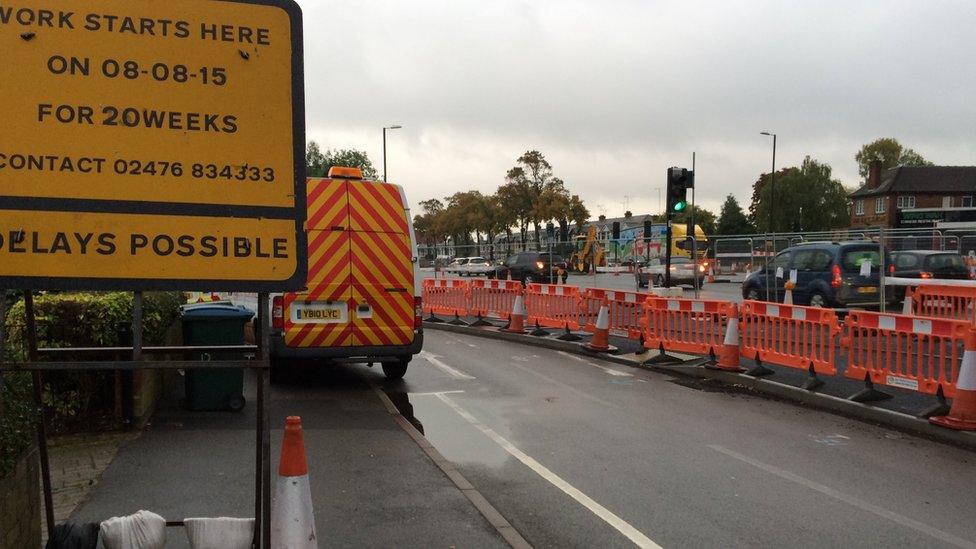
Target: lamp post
[397, 127]
[769, 228]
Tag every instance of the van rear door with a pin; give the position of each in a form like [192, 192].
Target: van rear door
[382, 266]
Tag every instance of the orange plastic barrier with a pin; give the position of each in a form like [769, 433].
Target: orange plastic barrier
[789, 335]
[446, 296]
[955, 302]
[553, 306]
[686, 325]
[493, 298]
[915, 353]
[626, 311]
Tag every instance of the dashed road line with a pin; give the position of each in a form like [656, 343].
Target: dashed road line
[606, 369]
[453, 372]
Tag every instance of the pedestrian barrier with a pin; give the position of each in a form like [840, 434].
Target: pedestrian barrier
[492, 298]
[916, 353]
[292, 519]
[955, 302]
[553, 306]
[686, 325]
[625, 311]
[962, 415]
[790, 335]
[446, 296]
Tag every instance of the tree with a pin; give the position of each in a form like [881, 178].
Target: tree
[578, 213]
[533, 171]
[732, 220]
[516, 196]
[890, 152]
[703, 218]
[807, 199]
[317, 163]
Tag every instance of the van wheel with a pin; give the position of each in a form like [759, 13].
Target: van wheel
[395, 370]
[753, 295]
[817, 299]
[659, 280]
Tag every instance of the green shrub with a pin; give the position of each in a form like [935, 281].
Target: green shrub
[86, 400]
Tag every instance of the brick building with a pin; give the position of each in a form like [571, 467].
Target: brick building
[876, 204]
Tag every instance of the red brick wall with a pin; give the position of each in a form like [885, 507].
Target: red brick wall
[889, 218]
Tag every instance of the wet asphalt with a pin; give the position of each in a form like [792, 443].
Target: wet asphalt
[581, 453]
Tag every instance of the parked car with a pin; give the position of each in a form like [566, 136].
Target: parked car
[455, 266]
[925, 264]
[475, 266]
[683, 271]
[529, 267]
[828, 274]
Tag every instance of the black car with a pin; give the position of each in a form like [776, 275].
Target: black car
[828, 274]
[529, 267]
[925, 264]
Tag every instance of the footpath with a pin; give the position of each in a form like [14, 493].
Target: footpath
[372, 484]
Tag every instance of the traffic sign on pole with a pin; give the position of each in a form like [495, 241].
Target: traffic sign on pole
[152, 145]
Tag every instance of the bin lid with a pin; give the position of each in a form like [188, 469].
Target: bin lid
[221, 311]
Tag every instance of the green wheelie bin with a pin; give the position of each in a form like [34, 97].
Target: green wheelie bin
[209, 324]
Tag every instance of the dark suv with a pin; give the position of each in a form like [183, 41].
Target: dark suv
[828, 274]
[529, 267]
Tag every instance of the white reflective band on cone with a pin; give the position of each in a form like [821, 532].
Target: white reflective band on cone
[220, 532]
[292, 523]
[732, 332]
[906, 308]
[967, 372]
[603, 319]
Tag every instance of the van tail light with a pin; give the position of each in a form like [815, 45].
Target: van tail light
[540, 265]
[891, 270]
[278, 312]
[418, 313]
[924, 274]
[835, 280]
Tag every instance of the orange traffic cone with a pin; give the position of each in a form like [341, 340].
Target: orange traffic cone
[907, 308]
[601, 337]
[292, 520]
[788, 298]
[728, 358]
[962, 415]
[519, 312]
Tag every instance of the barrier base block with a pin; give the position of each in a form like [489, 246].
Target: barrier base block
[759, 370]
[433, 319]
[940, 408]
[661, 358]
[568, 336]
[479, 322]
[538, 331]
[813, 382]
[869, 394]
[457, 321]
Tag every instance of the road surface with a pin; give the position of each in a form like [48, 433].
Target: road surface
[579, 453]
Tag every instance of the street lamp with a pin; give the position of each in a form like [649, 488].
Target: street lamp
[769, 229]
[397, 127]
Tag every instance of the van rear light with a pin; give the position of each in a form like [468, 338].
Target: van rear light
[835, 280]
[891, 270]
[278, 312]
[924, 274]
[418, 313]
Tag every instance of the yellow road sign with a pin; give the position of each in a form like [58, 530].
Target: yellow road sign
[183, 107]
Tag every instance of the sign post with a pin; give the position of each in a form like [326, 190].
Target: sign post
[152, 145]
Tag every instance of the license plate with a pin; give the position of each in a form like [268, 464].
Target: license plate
[318, 313]
[867, 290]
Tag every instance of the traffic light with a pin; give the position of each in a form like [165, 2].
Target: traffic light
[616, 230]
[679, 181]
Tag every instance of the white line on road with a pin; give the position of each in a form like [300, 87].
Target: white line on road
[435, 393]
[461, 341]
[850, 500]
[453, 372]
[610, 371]
[620, 524]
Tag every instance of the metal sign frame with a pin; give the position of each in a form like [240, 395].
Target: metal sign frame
[297, 213]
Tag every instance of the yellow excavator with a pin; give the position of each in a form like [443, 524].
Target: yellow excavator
[588, 253]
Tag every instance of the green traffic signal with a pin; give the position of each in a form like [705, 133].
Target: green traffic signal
[680, 205]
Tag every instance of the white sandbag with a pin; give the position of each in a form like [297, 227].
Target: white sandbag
[143, 530]
[220, 532]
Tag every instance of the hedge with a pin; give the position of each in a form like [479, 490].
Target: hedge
[76, 400]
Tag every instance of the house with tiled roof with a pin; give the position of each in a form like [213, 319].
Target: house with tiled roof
[878, 202]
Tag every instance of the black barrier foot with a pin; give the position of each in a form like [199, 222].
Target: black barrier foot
[940, 408]
[538, 332]
[642, 350]
[457, 321]
[711, 363]
[569, 336]
[479, 322]
[759, 370]
[869, 393]
[661, 358]
[433, 318]
[813, 382]
[507, 325]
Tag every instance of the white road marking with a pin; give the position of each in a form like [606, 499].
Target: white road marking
[613, 520]
[461, 341]
[435, 393]
[453, 372]
[850, 500]
[610, 371]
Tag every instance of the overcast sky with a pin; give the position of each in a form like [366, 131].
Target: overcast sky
[614, 92]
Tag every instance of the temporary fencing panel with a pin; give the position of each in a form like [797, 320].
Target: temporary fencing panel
[553, 306]
[686, 325]
[789, 335]
[493, 298]
[446, 296]
[945, 302]
[915, 353]
[626, 311]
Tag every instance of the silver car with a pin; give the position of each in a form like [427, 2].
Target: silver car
[683, 271]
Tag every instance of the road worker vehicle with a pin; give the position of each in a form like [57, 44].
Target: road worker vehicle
[589, 253]
[362, 301]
